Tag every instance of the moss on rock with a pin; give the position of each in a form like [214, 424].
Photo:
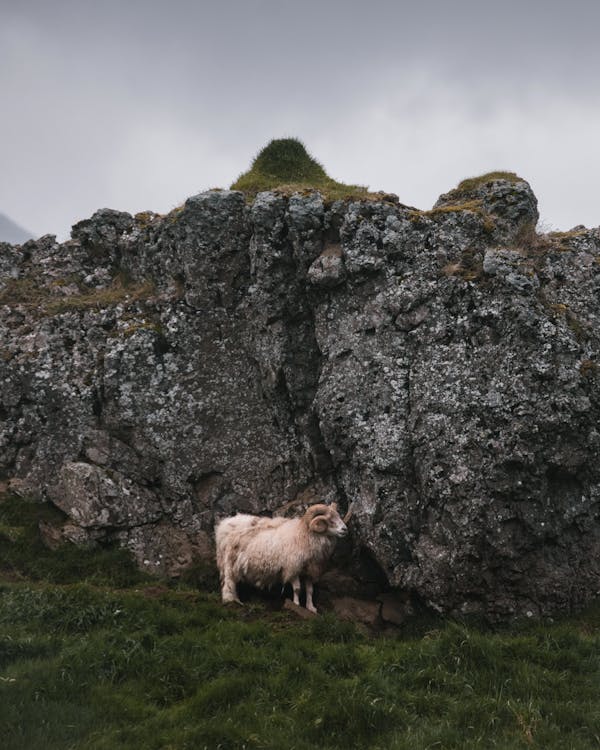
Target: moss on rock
[472, 183]
[285, 164]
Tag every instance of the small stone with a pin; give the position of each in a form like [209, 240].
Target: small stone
[301, 612]
[357, 610]
[396, 608]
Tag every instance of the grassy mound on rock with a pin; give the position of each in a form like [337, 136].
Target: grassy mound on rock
[466, 188]
[113, 662]
[285, 165]
[472, 183]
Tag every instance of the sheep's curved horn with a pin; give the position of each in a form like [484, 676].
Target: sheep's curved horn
[316, 519]
[319, 524]
[348, 515]
[316, 509]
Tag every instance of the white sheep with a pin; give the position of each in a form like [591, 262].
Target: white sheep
[265, 551]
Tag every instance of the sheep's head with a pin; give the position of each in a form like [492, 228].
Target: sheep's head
[324, 519]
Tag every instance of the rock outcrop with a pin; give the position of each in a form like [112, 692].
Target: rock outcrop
[439, 369]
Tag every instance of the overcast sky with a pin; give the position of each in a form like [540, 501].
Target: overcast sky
[136, 105]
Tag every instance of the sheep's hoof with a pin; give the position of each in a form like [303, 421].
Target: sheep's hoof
[302, 612]
[232, 600]
[312, 609]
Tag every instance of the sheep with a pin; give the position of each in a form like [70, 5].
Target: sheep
[264, 551]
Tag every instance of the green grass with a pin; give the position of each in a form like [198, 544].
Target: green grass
[109, 665]
[43, 301]
[472, 183]
[463, 192]
[23, 556]
[285, 165]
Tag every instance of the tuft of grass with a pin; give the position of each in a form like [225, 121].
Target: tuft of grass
[284, 164]
[579, 328]
[529, 242]
[589, 369]
[569, 234]
[44, 301]
[287, 160]
[474, 206]
[472, 183]
[24, 290]
[465, 189]
[469, 267]
[119, 291]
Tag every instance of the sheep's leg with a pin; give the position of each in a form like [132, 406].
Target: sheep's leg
[296, 589]
[228, 587]
[229, 593]
[309, 593]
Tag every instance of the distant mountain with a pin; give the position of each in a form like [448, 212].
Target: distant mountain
[11, 232]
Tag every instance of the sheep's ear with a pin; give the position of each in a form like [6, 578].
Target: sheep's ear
[318, 525]
[334, 507]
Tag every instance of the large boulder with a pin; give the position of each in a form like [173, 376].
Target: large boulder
[439, 369]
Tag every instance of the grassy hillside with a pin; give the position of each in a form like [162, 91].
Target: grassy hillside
[116, 661]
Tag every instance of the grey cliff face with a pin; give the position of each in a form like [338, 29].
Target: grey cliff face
[438, 369]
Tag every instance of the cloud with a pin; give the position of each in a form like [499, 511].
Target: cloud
[161, 161]
[137, 105]
[421, 134]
